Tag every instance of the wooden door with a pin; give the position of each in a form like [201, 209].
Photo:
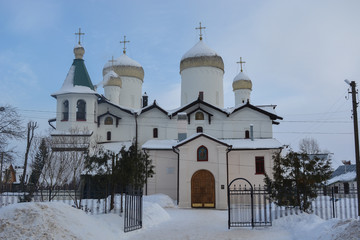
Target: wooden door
[203, 189]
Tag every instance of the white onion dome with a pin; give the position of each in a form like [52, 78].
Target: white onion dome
[124, 66]
[201, 55]
[112, 79]
[242, 81]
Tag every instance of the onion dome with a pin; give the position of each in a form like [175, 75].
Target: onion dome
[201, 56]
[124, 66]
[242, 81]
[112, 79]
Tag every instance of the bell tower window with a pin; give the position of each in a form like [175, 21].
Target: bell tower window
[81, 110]
[65, 112]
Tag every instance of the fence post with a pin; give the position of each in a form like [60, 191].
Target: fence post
[333, 201]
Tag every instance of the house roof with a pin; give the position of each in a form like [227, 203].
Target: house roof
[152, 106]
[102, 100]
[344, 169]
[198, 135]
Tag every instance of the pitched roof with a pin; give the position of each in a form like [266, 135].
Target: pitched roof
[344, 169]
[81, 76]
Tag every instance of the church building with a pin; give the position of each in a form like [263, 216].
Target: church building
[198, 148]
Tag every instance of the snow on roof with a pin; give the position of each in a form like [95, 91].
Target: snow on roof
[346, 177]
[199, 50]
[159, 144]
[108, 75]
[344, 169]
[268, 143]
[116, 146]
[123, 60]
[68, 85]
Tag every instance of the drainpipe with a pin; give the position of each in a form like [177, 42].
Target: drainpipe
[176, 150]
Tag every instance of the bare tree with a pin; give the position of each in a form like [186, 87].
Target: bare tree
[10, 128]
[309, 146]
[31, 126]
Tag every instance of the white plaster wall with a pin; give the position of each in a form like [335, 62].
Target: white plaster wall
[91, 112]
[130, 93]
[206, 79]
[165, 177]
[113, 94]
[242, 164]
[125, 131]
[216, 164]
[242, 96]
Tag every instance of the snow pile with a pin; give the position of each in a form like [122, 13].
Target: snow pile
[310, 226]
[163, 200]
[123, 60]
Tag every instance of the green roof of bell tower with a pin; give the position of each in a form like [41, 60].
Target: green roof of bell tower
[81, 75]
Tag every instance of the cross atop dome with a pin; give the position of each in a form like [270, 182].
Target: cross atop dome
[79, 33]
[124, 42]
[112, 61]
[241, 63]
[200, 28]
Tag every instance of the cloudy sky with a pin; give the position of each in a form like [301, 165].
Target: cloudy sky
[297, 54]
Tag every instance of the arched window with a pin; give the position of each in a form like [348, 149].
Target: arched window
[199, 116]
[247, 134]
[65, 111]
[81, 110]
[108, 136]
[109, 121]
[199, 129]
[155, 133]
[202, 153]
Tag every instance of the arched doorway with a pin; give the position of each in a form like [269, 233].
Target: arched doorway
[203, 189]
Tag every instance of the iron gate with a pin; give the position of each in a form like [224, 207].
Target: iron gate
[133, 209]
[248, 206]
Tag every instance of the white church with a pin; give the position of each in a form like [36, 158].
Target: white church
[198, 148]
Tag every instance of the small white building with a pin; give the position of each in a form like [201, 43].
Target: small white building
[196, 149]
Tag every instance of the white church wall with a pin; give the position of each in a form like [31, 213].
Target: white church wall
[216, 164]
[130, 93]
[206, 79]
[112, 93]
[72, 123]
[165, 177]
[125, 131]
[242, 164]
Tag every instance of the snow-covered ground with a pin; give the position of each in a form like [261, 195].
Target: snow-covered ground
[162, 220]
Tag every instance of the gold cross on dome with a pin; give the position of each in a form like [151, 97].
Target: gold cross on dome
[112, 61]
[124, 42]
[79, 33]
[200, 28]
[241, 63]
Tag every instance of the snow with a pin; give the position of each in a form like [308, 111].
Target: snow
[199, 50]
[60, 221]
[159, 144]
[346, 177]
[110, 74]
[123, 60]
[68, 85]
[241, 76]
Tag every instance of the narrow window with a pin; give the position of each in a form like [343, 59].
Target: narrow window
[108, 136]
[155, 133]
[346, 188]
[259, 165]
[199, 129]
[336, 189]
[202, 154]
[81, 110]
[199, 116]
[247, 134]
[65, 111]
[108, 121]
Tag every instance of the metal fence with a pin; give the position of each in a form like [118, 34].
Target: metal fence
[335, 201]
[92, 202]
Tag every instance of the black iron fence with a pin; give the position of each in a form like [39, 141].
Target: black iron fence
[92, 202]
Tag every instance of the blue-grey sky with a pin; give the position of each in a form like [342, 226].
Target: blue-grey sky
[297, 54]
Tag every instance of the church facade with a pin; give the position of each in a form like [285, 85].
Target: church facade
[198, 148]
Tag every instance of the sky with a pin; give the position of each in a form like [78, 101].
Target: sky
[297, 54]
